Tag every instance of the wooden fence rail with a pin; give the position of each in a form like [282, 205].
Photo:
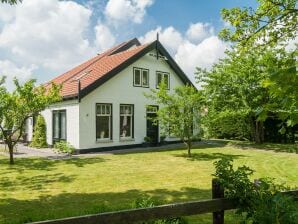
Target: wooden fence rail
[217, 206]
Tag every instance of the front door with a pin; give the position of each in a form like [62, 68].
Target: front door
[152, 128]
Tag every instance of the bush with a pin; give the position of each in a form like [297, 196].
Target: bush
[64, 147]
[146, 202]
[258, 203]
[39, 139]
[227, 124]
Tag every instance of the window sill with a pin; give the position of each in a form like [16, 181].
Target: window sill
[104, 140]
[126, 139]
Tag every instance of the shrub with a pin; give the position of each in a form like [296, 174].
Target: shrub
[258, 203]
[64, 147]
[146, 202]
[39, 139]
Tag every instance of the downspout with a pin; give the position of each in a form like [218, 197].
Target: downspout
[79, 90]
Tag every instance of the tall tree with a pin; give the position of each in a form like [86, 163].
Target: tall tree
[179, 113]
[272, 22]
[15, 107]
[237, 86]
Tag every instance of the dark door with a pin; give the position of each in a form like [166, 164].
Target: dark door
[152, 128]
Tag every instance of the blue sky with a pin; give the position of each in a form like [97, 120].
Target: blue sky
[44, 38]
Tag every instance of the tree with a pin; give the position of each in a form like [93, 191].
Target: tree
[179, 112]
[11, 2]
[236, 85]
[274, 21]
[15, 107]
[40, 133]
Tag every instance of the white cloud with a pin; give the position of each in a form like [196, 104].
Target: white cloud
[10, 70]
[198, 47]
[121, 11]
[7, 12]
[49, 33]
[169, 37]
[199, 31]
[205, 54]
[104, 38]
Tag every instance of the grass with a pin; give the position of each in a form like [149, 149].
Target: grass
[39, 189]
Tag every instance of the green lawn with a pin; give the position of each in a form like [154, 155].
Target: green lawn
[38, 189]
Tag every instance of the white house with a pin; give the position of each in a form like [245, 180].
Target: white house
[103, 98]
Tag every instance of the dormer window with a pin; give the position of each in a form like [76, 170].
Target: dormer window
[162, 77]
[141, 77]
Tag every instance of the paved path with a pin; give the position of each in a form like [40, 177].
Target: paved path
[25, 151]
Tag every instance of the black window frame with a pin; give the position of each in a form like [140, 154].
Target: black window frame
[59, 112]
[132, 118]
[141, 77]
[111, 122]
[163, 73]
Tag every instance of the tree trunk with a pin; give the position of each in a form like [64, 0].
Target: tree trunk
[259, 133]
[188, 148]
[10, 148]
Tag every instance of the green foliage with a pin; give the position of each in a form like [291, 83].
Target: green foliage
[273, 21]
[227, 124]
[64, 147]
[147, 202]
[179, 113]
[40, 133]
[259, 202]
[11, 2]
[26, 100]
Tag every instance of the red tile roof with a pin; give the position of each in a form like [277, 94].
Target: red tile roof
[95, 68]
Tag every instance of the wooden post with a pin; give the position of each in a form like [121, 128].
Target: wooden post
[217, 192]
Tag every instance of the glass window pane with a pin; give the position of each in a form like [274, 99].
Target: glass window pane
[107, 109]
[166, 79]
[56, 125]
[137, 77]
[121, 109]
[102, 127]
[159, 78]
[125, 126]
[145, 78]
[98, 109]
[63, 125]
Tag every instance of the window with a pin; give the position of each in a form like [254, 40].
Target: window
[103, 121]
[163, 77]
[141, 77]
[59, 125]
[126, 121]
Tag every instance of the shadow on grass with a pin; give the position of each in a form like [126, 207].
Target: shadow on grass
[39, 182]
[74, 204]
[290, 148]
[209, 156]
[23, 164]
[173, 147]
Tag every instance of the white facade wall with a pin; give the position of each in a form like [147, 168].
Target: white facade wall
[120, 90]
[29, 129]
[72, 121]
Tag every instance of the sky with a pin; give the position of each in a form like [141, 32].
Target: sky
[41, 39]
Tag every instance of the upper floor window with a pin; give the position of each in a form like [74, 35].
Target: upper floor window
[103, 121]
[163, 77]
[141, 77]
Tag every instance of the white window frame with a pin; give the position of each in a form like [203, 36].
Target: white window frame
[131, 115]
[142, 70]
[104, 114]
[163, 74]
